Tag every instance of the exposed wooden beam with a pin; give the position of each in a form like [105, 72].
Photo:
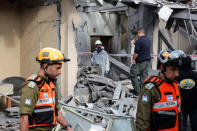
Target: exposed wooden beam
[107, 7]
[125, 69]
[166, 41]
[185, 15]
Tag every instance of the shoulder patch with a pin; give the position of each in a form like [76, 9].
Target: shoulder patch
[187, 84]
[32, 77]
[31, 84]
[149, 86]
[145, 98]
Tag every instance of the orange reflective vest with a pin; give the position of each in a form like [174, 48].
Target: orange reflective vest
[44, 113]
[165, 112]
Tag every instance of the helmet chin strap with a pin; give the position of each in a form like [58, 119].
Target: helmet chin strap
[46, 74]
[45, 71]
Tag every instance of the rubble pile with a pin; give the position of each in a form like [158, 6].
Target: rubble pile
[9, 120]
[103, 94]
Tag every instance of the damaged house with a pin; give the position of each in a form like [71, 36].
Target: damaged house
[73, 26]
[121, 20]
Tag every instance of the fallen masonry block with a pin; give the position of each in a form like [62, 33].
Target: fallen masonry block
[100, 79]
[12, 112]
[82, 91]
[98, 88]
[117, 91]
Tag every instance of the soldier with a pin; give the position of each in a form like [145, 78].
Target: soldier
[159, 100]
[39, 109]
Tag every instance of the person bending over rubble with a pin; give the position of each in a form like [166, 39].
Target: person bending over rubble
[100, 57]
[39, 109]
[159, 102]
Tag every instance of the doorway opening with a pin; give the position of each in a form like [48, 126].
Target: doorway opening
[106, 41]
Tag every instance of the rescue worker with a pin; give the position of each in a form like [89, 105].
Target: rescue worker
[100, 57]
[140, 61]
[159, 100]
[188, 88]
[39, 108]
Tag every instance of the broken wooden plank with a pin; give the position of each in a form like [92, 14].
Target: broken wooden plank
[125, 69]
[107, 7]
[100, 81]
[185, 15]
[165, 39]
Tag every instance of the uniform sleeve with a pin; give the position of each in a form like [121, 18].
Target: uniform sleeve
[144, 109]
[29, 97]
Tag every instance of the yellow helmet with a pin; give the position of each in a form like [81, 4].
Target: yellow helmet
[51, 56]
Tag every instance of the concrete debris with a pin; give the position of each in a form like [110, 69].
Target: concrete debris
[67, 100]
[117, 91]
[8, 123]
[165, 12]
[12, 112]
[104, 95]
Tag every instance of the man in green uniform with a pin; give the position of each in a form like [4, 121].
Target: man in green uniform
[39, 109]
[159, 100]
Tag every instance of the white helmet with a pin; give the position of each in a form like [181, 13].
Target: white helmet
[98, 42]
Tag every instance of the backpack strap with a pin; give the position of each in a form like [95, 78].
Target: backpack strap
[154, 80]
[37, 79]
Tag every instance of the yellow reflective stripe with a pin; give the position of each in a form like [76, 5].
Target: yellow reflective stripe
[46, 101]
[165, 104]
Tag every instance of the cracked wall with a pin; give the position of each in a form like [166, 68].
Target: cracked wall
[10, 40]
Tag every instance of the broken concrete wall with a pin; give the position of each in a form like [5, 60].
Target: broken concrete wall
[141, 17]
[179, 39]
[38, 30]
[132, 28]
[146, 20]
[96, 24]
[121, 27]
[124, 36]
[25, 32]
[70, 19]
[102, 25]
[9, 40]
[155, 44]
[82, 42]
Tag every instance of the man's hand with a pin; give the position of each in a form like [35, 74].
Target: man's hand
[133, 62]
[132, 41]
[69, 129]
[62, 121]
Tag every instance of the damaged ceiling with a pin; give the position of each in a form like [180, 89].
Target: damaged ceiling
[33, 3]
[182, 14]
[181, 9]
